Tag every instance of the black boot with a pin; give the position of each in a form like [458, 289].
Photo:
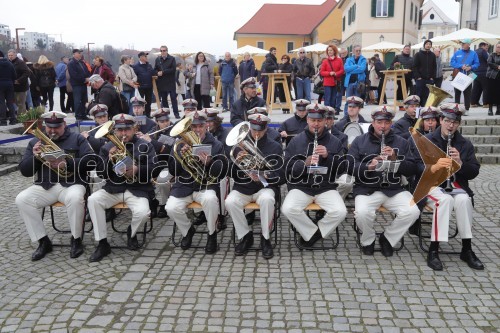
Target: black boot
[415, 228]
[433, 261]
[470, 258]
[267, 248]
[250, 217]
[110, 214]
[153, 206]
[44, 247]
[200, 219]
[497, 113]
[132, 242]
[188, 239]
[490, 110]
[369, 249]
[385, 246]
[316, 237]
[76, 247]
[221, 223]
[211, 244]
[245, 243]
[102, 250]
[162, 213]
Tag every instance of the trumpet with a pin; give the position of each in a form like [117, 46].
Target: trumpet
[385, 181]
[160, 130]
[315, 145]
[448, 187]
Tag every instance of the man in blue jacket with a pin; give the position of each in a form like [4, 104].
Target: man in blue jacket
[145, 73]
[355, 69]
[480, 84]
[465, 60]
[61, 83]
[227, 72]
[79, 77]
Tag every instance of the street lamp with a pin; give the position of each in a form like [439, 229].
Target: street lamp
[88, 51]
[17, 37]
[381, 38]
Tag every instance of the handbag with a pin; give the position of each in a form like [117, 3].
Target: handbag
[461, 81]
[318, 87]
[127, 87]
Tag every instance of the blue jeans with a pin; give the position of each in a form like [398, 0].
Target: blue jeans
[350, 90]
[303, 88]
[129, 95]
[227, 94]
[79, 100]
[330, 94]
[338, 97]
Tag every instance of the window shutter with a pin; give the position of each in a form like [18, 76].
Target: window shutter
[411, 12]
[374, 8]
[343, 23]
[391, 8]
[353, 12]
[349, 16]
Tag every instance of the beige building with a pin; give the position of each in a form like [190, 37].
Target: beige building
[482, 15]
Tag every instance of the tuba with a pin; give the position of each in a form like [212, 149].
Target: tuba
[48, 147]
[121, 153]
[253, 158]
[436, 96]
[189, 162]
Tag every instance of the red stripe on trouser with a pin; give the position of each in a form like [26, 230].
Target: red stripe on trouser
[436, 203]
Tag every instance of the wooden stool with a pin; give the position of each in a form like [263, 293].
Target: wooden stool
[218, 95]
[275, 79]
[428, 210]
[121, 206]
[395, 75]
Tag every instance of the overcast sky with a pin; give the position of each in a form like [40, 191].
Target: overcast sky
[193, 24]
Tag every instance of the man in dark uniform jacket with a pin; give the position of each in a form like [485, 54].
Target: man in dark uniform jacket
[329, 124]
[271, 132]
[296, 124]
[460, 198]
[165, 67]
[409, 118]
[354, 104]
[144, 123]
[214, 123]
[247, 101]
[105, 93]
[250, 188]
[373, 189]
[302, 159]
[50, 187]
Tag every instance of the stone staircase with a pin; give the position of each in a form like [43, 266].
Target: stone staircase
[485, 135]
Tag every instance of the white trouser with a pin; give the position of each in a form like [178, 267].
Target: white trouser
[101, 200]
[330, 201]
[224, 188]
[96, 182]
[345, 185]
[444, 204]
[35, 197]
[236, 202]
[163, 186]
[365, 214]
[176, 209]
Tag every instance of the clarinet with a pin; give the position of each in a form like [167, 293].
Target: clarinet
[315, 145]
[448, 187]
[385, 182]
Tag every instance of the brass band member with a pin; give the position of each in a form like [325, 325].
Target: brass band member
[296, 124]
[248, 187]
[460, 196]
[430, 119]
[314, 150]
[354, 104]
[186, 189]
[373, 189]
[271, 132]
[329, 124]
[143, 122]
[409, 119]
[127, 171]
[52, 185]
[189, 106]
[247, 101]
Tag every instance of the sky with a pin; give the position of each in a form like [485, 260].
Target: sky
[191, 25]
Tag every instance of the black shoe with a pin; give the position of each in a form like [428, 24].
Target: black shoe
[153, 206]
[316, 237]
[211, 244]
[267, 248]
[319, 215]
[490, 112]
[76, 247]
[200, 219]
[245, 243]
[102, 250]
[188, 239]
[250, 217]
[44, 247]
[3, 123]
[132, 243]
[497, 113]
[162, 213]
[13, 122]
[415, 228]
[369, 249]
[221, 223]
[110, 214]
[433, 261]
[385, 246]
[87, 217]
[470, 258]
[177, 117]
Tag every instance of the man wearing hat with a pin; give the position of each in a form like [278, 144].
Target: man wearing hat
[409, 118]
[373, 189]
[57, 179]
[165, 67]
[302, 160]
[186, 190]
[145, 73]
[143, 122]
[130, 184]
[105, 93]
[461, 198]
[271, 132]
[296, 124]
[424, 71]
[248, 100]
[354, 104]
[248, 187]
[189, 105]
[464, 61]
[78, 78]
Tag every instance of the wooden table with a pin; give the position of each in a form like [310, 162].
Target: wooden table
[275, 79]
[218, 95]
[395, 75]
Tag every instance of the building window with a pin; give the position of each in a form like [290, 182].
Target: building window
[411, 12]
[349, 18]
[432, 16]
[416, 13]
[304, 44]
[353, 12]
[382, 8]
[289, 47]
[494, 8]
[260, 45]
[431, 34]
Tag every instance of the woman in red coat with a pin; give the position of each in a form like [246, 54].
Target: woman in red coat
[331, 70]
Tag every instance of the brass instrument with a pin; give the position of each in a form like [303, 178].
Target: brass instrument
[436, 96]
[48, 146]
[315, 145]
[448, 187]
[121, 153]
[189, 162]
[160, 130]
[385, 182]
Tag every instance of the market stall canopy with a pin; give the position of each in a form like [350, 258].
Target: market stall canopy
[384, 47]
[317, 48]
[252, 50]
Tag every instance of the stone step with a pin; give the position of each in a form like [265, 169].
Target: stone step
[473, 122]
[487, 149]
[2, 159]
[486, 139]
[7, 168]
[480, 130]
[488, 158]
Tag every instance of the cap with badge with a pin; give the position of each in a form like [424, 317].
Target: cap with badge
[452, 111]
[258, 110]
[123, 120]
[54, 118]
[382, 112]
[301, 104]
[251, 82]
[316, 111]
[199, 117]
[412, 100]
[330, 112]
[258, 122]
[429, 112]
[142, 53]
[77, 51]
[99, 110]
[354, 101]
[211, 114]
[190, 104]
[161, 114]
[136, 100]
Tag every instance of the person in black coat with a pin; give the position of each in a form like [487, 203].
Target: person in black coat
[247, 101]
[312, 162]
[271, 132]
[403, 61]
[165, 67]
[296, 124]
[285, 67]
[145, 73]
[105, 93]
[246, 68]
[354, 104]
[480, 84]
[460, 196]
[7, 78]
[78, 78]
[424, 71]
[372, 188]
[409, 118]
[270, 65]
[21, 84]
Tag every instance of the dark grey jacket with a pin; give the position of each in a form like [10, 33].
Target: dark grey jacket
[401, 126]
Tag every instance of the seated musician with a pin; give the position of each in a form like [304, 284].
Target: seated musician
[248, 100]
[329, 124]
[186, 190]
[162, 143]
[458, 196]
[248, 187]
[271, 132]
[214, 124]
[430, 120]
[354, 104]
[189, 106]
[57, 179]
[400, 127]
[296, 124]
[128, 180]
[373, 189]
[143, 123]
[314, 148]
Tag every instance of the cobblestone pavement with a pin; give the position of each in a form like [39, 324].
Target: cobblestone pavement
[163, 289]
